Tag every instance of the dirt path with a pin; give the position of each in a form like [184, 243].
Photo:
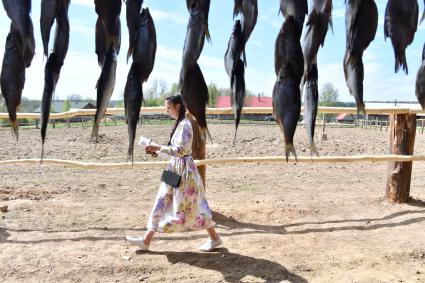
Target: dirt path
[297, 222]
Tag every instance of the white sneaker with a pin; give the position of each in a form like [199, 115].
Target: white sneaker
[210, 245]
[138, 241]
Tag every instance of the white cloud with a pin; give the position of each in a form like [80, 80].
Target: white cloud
[82, 27]
[339, 13]
[87, 3]
[160, 15]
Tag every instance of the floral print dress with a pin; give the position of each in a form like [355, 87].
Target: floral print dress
[184, 208]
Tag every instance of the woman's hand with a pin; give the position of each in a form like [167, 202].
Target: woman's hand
[150, 149]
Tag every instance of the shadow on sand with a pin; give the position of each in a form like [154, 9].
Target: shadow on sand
[234, 267]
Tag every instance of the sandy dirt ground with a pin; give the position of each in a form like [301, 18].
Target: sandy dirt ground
[279, 222]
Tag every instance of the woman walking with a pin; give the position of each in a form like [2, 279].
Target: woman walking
[184, 207]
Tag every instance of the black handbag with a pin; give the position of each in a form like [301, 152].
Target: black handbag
[171, 178]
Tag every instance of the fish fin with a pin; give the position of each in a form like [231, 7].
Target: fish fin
[331, 25]
[423, 17]
[237, 8]
[302, 84]
[244, 58]
[289, 148]
[232, 78]
[207, 34]
[129, 52]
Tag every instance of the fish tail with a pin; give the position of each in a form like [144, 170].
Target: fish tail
[129, 52]
[289, 148]
[401, 62]
[234, 137]
[244, 58]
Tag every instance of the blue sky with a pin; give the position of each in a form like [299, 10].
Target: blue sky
[80, 71]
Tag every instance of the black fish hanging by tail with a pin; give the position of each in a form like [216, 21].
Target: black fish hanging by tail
[145, 45]
[287, 107]
[12, 77]
[54, 64]
[311, 104]
[401, 22]
[238, 93]
[195, 97]
[361, 18]
[133, 96]
[317, 24]
[105, 88]
[194, 41]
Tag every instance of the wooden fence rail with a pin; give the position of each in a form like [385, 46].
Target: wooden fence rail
[217, 161]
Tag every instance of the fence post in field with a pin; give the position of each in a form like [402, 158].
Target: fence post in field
[422, 126]
[402, 142]
[198, 148]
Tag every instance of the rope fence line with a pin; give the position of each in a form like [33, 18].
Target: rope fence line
[234, 160]
[245, 110]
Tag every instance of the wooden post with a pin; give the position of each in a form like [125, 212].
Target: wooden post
[422, 126]
[198, 147]
[402, 141]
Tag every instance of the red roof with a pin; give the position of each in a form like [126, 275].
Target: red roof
[251, 101]
[341, 116]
